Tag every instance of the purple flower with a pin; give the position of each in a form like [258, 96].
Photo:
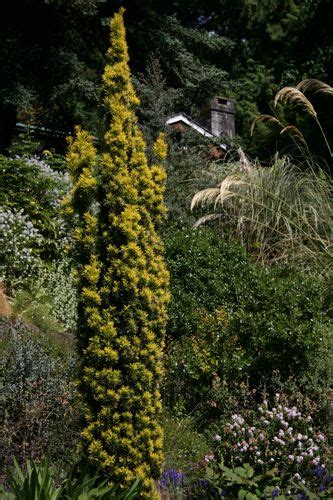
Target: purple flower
[319, 471]
[202, 483]
[172, 477]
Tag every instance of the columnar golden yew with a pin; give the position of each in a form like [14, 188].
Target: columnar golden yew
[81, 159]
[123, 283]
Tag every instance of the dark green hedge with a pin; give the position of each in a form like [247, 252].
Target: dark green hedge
[234, 323]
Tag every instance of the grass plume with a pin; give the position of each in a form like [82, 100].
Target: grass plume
[314, 86]
[277, 212]
[293, 95]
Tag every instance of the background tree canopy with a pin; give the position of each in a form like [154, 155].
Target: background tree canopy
[52, 52]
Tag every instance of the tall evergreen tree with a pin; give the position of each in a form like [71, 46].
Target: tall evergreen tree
[123, 283]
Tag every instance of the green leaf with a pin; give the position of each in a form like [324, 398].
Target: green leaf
[241, 494]
[249, 470]
[272, 472]
[241, 472]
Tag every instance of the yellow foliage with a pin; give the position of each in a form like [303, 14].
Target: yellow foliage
[122, 281]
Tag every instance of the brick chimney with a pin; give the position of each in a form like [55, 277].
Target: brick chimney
[219, 117]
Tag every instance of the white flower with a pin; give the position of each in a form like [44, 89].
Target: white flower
[217, 437]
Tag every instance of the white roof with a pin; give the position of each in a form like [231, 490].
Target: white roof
[182, 117]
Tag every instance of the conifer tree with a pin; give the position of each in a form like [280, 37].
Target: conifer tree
[81, 159]
[122, 281]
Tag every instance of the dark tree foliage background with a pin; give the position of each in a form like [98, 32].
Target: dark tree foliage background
[182, 53]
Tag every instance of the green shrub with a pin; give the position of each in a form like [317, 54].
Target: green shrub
[205, 274]
[49, 301]
[234, 325]
[39, 395]
[29, 185]
[284, 326]
[20, 247]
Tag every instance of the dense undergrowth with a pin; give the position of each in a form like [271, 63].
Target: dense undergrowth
[238, 333]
